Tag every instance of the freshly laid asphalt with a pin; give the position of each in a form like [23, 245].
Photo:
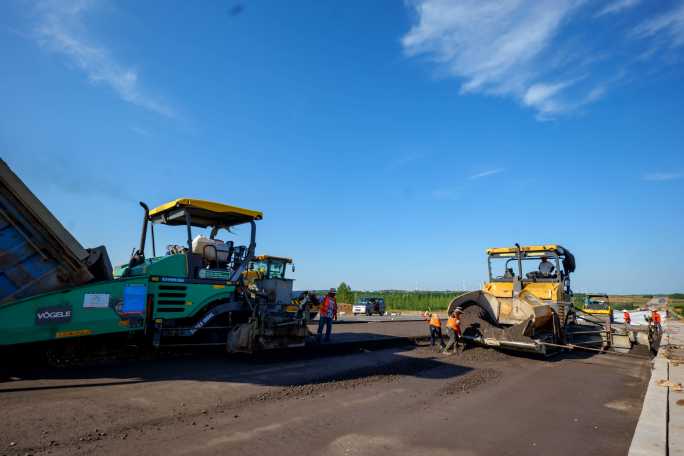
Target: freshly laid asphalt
[355, 399]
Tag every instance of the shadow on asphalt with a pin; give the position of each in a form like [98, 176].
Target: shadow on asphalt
[292, 367]
[295, 367]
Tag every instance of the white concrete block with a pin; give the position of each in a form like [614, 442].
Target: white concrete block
[650, 436]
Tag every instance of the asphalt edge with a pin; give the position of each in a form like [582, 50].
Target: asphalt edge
[651, 433]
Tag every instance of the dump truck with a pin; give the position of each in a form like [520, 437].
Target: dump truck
[524, 305]
[37, 254]
[53, 289]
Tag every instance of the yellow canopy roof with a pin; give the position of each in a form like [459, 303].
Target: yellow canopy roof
[202, 213]
[568, 258]
[271, 257]
[525, 248]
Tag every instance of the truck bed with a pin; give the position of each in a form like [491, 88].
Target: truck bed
[37, 254]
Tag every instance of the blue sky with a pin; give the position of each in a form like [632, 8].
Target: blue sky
[388, 143]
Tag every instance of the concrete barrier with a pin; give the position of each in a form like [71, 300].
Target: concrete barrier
[660, 430]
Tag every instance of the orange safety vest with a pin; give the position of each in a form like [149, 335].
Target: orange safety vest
[454, 323]
[627, 317]
[323, 310]
[656, 317]
[434, 321]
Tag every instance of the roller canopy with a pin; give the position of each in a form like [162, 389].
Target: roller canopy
[271, 257]
[567, 257]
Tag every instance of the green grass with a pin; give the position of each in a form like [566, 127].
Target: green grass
[439, 300]
[408, 300]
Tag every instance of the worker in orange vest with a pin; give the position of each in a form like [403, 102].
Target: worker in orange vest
[454, 330]
[326, 314]
[655, 318]
[435, 328]
[627, 317]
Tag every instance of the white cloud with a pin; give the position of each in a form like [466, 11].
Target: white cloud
[658, 177]
[542, 53]
[670, 22]
[493, 47]
[595, 93]
[61, 29]
[617, 6]
[543, 97]
[487, 173]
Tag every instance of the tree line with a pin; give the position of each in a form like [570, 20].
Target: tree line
[400, 299]
[438, 300]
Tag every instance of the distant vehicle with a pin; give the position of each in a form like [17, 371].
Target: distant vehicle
[598, 304]
[369, 306]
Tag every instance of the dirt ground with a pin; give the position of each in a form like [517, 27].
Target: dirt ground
[399, 400]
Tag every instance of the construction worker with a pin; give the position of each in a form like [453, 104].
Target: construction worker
[627, 317]
[326, 314]
[545, 267]
[435, 328]
[454, 330]
[655, 318]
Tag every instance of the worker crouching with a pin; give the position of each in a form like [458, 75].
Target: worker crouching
[454, 331]
[435, 328]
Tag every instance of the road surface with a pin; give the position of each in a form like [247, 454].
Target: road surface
[402, 400]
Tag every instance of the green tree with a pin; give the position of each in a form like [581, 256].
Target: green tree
[344, 293]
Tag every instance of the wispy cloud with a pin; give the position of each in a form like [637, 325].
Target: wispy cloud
[663, 176]
[617, 6]
[543, 97]
[61, 29]
[537, 52]
[670, 23]
[487, 173]
[493, 47]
